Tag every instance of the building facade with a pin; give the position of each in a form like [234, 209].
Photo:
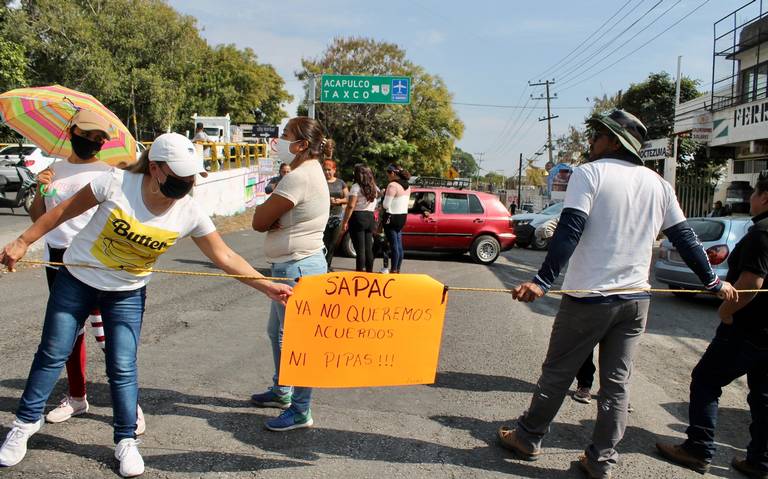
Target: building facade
[732, 119]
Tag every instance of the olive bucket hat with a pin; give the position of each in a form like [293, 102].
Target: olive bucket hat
[627, 127]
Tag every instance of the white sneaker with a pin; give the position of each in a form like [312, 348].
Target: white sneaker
[69, 407]
[141, 426]
[15, 446]
[131, 463]
[384, 271]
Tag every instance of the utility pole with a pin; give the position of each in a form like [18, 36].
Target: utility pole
[549, 116]
[670, 164]
[479, 162]
[519, 180]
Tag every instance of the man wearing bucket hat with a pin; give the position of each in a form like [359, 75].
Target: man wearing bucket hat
[614, 209]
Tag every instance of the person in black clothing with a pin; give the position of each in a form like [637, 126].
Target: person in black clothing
[740, 347]
[285, 168]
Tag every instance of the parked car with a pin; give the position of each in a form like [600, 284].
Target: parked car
[525, 225]
[459, 220]
[718, 236]
[35, 159]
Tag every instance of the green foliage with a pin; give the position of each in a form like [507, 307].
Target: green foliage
[605, 103]
[420, 136]
[653, 101]
[464, 163]
[142, 57]
[12, 66]
[572, 147]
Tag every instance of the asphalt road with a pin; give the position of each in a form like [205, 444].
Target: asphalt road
[12, 223]
[204, 351]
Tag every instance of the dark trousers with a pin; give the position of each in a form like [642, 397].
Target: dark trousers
[331, 238]
[361, 225]
[393, 229]
[727, 358]
[586, 375]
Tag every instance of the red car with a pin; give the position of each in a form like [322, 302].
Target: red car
[447, 219]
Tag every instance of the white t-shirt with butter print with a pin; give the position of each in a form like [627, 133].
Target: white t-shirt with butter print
[627, 206]
[123, 233]
[68, 179]
[301, 228]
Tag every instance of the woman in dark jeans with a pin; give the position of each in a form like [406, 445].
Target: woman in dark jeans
[338, 191]
[359, 218]
[395, 207]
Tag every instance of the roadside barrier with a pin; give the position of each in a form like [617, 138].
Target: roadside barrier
[222, 156]
[447, 288]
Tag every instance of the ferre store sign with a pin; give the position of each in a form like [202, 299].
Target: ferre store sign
[740, 124]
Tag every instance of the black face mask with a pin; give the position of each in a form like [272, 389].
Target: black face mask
[83, 147]
[175, 187]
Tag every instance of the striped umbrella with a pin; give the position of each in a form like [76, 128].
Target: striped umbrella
[44, 115]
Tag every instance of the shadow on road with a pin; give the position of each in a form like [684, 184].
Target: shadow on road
[481, 382]
[301, 448]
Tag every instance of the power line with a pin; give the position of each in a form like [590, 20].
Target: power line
[545, 72]
[661, 15]
[514, 136]
[499, 140]
[564, 75]
[485, 105]
[599, 37]
[638, 48]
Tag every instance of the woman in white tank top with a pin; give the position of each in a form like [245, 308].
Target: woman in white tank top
[395, 206]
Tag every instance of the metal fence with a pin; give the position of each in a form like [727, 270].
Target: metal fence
[695, 195]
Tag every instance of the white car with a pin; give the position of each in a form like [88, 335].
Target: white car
[35, 159]
[534, 229]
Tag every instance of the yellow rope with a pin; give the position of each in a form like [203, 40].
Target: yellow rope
[450, 288]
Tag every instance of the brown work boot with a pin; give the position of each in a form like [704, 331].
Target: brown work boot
[589, 470]
[508, 439]
[750, 470]
[677, 454]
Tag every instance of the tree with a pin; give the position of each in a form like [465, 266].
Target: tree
[653, 101]
[572, 147]
[143, 60]
[420, 136]
[464, 163]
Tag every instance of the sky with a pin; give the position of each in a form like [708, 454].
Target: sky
[487, 51]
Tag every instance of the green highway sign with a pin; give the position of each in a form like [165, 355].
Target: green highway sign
[365, 89]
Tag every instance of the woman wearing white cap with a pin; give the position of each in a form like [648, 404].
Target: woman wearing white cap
[140, 214]
[87, 135]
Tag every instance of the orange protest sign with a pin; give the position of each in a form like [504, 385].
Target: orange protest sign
[357, 329]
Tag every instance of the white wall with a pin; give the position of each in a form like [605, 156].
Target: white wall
[224, 192]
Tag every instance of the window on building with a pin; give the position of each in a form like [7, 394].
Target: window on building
[761, 80]
[739, 167]
[747, 85]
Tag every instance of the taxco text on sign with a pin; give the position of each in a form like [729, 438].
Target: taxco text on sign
[365, 89]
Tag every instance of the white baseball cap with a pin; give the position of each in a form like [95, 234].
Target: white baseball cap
[178, 153]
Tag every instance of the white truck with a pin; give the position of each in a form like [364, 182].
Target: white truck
[218, 128]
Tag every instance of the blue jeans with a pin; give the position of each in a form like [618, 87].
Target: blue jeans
[727, 358]
[311, 265]
[395, 238]
[69, 303]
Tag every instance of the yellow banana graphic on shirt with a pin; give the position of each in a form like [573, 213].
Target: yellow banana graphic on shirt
[124, 253]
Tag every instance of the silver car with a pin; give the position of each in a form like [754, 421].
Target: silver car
[718, 236]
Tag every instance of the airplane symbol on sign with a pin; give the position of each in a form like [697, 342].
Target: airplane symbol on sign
[399, 87]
